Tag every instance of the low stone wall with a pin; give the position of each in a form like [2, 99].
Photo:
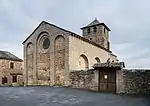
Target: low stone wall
[136, 81]
[84, 79]
[127, 81]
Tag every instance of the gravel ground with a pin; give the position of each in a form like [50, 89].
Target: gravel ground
[53, 96]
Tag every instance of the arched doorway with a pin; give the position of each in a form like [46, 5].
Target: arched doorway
[4, 80]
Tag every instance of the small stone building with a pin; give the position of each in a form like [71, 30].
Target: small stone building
[11, 69]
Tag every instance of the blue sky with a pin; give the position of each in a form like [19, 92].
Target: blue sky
[128, 20]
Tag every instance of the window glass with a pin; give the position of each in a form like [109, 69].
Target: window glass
[46, 43]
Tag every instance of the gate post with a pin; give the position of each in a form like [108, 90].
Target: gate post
[98, 79]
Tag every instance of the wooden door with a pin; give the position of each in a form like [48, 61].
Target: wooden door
[107, 81]
[111, 81]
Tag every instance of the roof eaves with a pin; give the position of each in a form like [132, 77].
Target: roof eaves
[19, 60]
[33, 32]
[96, 25]
[48, 24]
[71, 33]
[90, 42]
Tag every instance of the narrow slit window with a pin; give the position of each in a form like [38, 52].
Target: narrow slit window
[12, 65]
[88, 30]
[104, 30]
[95, 29]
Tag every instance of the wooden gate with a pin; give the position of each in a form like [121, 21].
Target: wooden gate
[107, 75]
[107, 81]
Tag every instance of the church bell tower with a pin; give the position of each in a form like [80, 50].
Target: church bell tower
[98, 33]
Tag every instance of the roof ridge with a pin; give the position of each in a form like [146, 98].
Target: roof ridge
[95, 22]
[71, 32]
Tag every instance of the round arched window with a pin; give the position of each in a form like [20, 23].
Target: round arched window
[83, 62]
[46, 43]
[97, 60]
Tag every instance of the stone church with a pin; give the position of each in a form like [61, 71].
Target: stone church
[51, 53]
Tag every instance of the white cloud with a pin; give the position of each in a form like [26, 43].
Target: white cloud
[128, 20]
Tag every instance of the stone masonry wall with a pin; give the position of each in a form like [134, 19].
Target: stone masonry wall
[127, 81]
[59, 52]
[42, 60]
[135, 81]
[6, 71]
[100, 37]
[119, 82]
[29, 63]
[44, 65]
[84, 79]
[78, 47]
